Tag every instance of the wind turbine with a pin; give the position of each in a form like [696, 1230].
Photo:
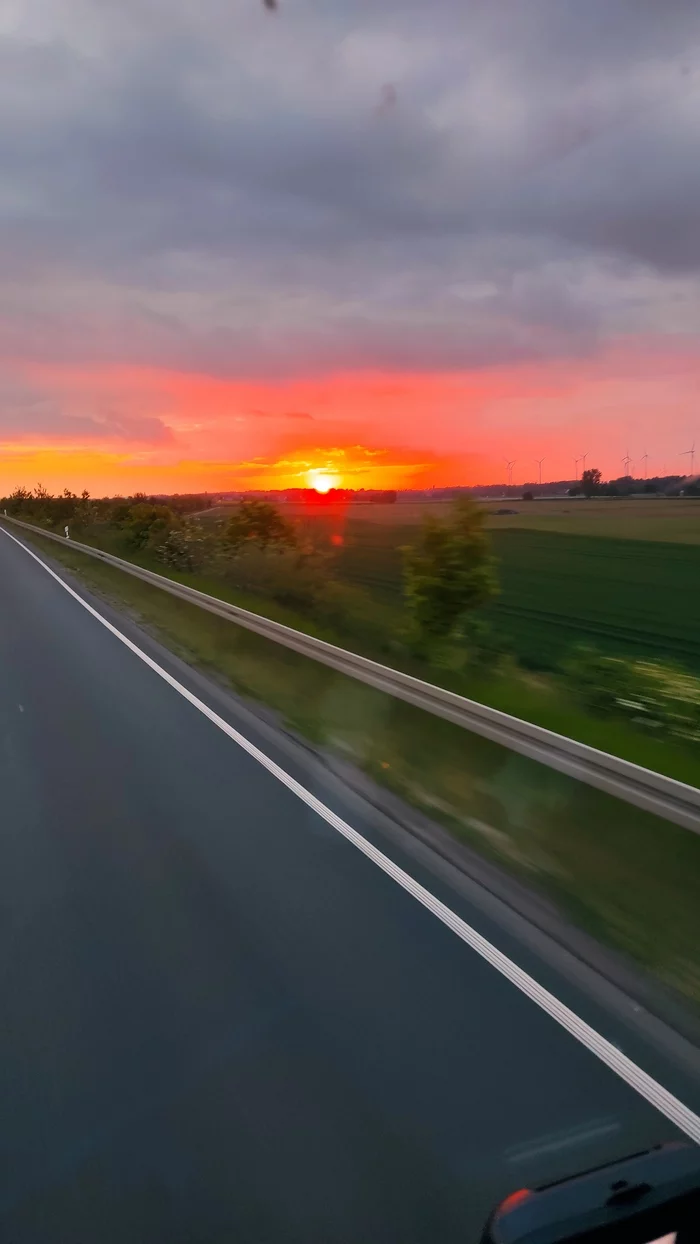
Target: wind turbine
[627, 461]
[583, 459]
[576, 462]
[644, 458]
[539, 462]
[690, 453]
[510, 463]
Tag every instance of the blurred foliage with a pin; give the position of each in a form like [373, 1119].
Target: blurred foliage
[147, 525]
[291, 576]
[448, 575]
[192, 547]
[652, 694]
[258, 523]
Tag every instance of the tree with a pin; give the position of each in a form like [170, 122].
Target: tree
[528, 495]
[118, 512]
[590, 481]
[17, 501]
[449, 574]
[260, 523]
[85, 511]
[146, 524]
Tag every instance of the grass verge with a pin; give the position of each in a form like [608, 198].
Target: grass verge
[630, 879]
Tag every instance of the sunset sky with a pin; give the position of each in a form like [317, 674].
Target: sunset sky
[393, 241]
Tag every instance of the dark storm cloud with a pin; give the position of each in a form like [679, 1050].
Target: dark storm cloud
[393, 184]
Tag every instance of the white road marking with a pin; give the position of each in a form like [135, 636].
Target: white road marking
[665, 1102]
[556, 1141]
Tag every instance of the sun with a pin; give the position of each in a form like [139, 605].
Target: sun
[322, 481]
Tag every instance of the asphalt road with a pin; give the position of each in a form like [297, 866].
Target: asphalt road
[222, 1022]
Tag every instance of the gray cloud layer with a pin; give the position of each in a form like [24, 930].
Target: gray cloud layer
[216, 186]
[28, 412]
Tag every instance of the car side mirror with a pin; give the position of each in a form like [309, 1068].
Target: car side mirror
[650, 1198]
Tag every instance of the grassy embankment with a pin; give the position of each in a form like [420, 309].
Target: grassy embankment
[628, 878]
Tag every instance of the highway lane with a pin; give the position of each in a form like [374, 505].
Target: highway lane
[220, 1020]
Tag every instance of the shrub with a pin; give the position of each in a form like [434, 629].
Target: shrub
[146, 524]
[355, 614]
[192, 546]
[290, 576]
[259, 523]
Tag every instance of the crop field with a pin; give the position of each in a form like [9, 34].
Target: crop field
[630, 597]
[571, 571]
[404, 513]
[672, 520]
[633, 597]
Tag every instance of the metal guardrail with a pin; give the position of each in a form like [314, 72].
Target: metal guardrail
[654, 792]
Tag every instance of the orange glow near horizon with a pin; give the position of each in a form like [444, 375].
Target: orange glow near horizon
[109, 472]
[128, 429]
[322, 481]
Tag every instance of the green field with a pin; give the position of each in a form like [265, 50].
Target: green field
[635, 598]
[667, 520]
[632, 597]
[621, 575]
[659, 519]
